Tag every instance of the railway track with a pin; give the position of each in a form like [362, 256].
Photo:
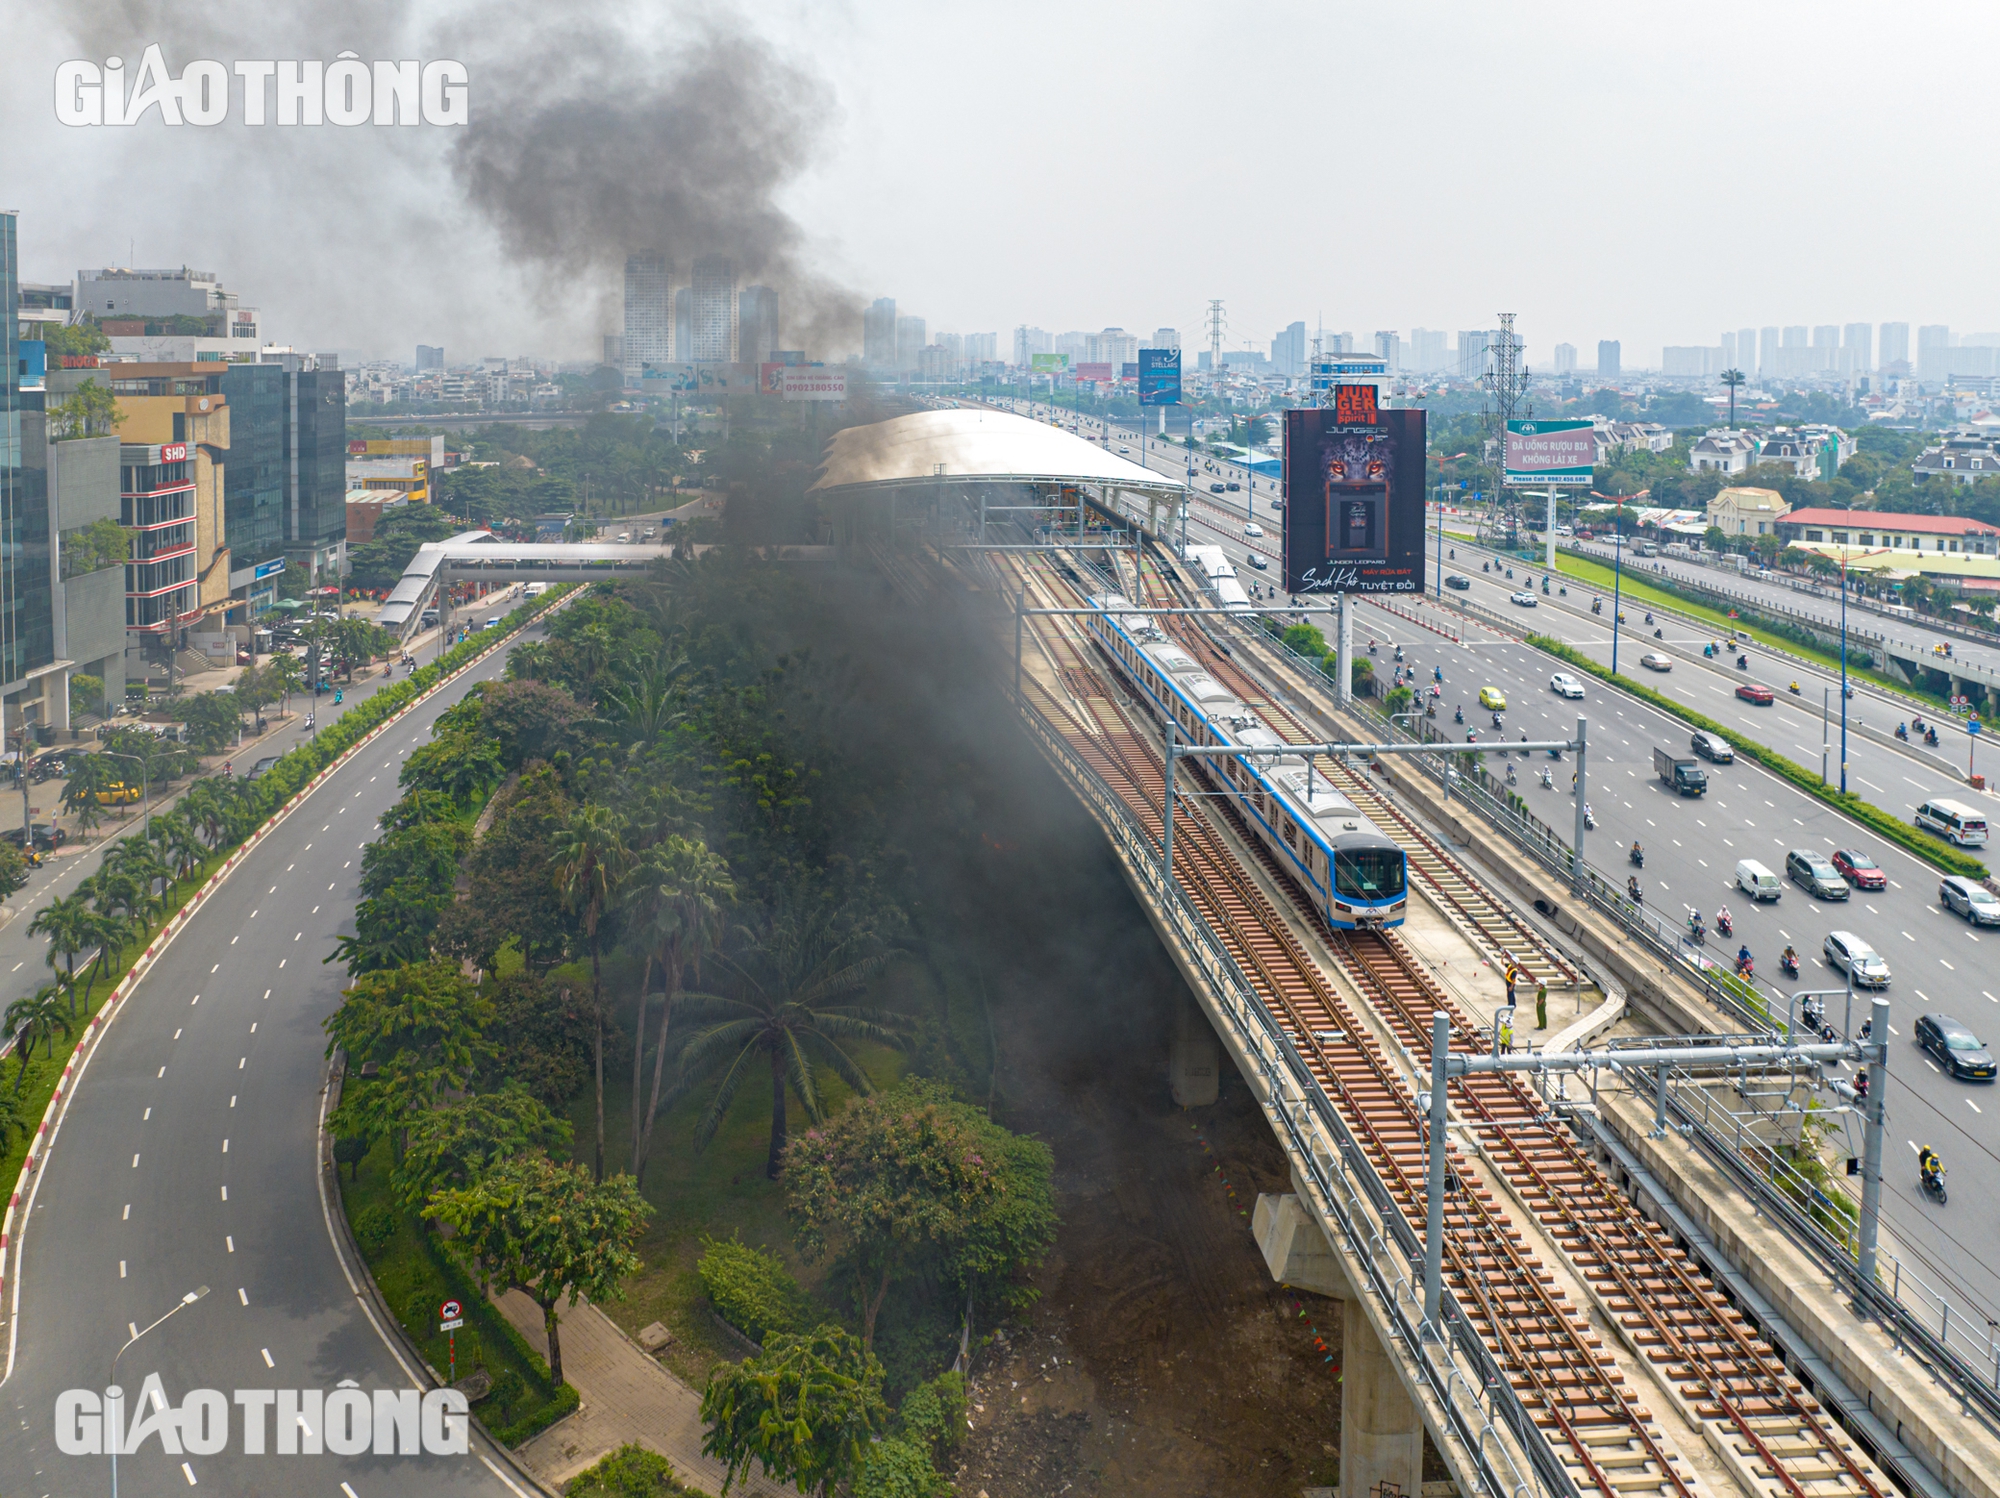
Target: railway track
[1722, 1376]
[1493, 929]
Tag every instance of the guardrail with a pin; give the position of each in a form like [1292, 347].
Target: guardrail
[1959, 1342]
[1461, 1372]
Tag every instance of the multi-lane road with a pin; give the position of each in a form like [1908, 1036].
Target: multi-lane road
[187, 1157]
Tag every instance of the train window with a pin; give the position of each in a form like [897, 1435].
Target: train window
[1291, 833]
[1368, 873]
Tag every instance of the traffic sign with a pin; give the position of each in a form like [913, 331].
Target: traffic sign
[450, 1309]
[452, 1325]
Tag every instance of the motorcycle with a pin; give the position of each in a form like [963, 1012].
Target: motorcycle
[1555, 754]
[1903, 732]
[1649, 618]
[1708, 652]
[1746, 967]
[1431, 711]
[1723, 925]
[1510, 574]
[1637, 856]
[1697, 933]
[1496, 721]
[1789, 966]
[1548, 780]
[1597, 605]
[1659, 634]
[1634, 893]
[1932, 1180]
[1511, 778]
[1458, 715]
[1931, 738]
[1453, 555]
[1743, 663]
[1485, 566]
[1399, 653]
[1589, 818]
[1794, 689]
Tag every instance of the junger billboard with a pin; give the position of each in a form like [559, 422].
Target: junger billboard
[1159, 377]
[1354, 496]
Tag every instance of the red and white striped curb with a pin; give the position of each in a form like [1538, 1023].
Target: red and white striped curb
[22, 1197]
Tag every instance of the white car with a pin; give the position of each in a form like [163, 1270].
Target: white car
[1124, 449]
[1525, 599]
[1253, 529]
[1849, 953]
[1657, 660]
[1565, 685]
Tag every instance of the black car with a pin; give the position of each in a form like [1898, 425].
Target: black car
[47, 837]
[1714, 747]
[1957, 1049]
[1457, 582]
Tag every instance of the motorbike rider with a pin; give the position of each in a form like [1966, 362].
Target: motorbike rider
[1589, 816]
[1695, 927]
[1458, 715]
[1496, 721]
[1743, 960]
[1722, 921]
[1511, 780]
[1903, 732]
[1789, 958]
[1930, 1166]
[1638, 853]
[1632, 889]
[1795, 689]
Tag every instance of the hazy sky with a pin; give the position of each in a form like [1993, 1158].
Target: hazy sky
[1652, 174]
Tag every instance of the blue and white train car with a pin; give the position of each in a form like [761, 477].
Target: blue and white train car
[1355, 875]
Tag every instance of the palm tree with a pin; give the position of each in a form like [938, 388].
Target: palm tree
[590, 860]
[786, 1011]
[649, 706]
[1732, 378]
[33, 1020]
[528, 661]
[71, 927]
[676, 897]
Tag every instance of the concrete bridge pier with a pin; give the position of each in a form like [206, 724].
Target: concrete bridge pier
[1381, 1433]
[1193, 1056]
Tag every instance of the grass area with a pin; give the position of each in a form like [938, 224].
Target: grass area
[1636, 591]
[415, 1278]
[721, 1191]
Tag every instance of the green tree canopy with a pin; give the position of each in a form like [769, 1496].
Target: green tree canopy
[804, 1410]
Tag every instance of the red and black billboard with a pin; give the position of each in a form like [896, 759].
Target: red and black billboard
[1354, 496]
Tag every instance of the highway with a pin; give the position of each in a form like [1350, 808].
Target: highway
[188, 1157]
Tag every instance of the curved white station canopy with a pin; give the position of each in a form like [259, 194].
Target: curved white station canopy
[975, 446]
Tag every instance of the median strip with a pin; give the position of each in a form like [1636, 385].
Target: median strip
[1905, 835]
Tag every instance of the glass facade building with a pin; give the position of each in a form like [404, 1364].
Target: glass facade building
[27, 557]
[254, 482]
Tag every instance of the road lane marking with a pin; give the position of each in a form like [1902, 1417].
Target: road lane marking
[133, 1327]
[195, 1000]
[240, 1061]
[188, 1473]
[1908, 937]
[281, 962]
[253, 1027]
[297, 934]
[177, 1035]
[232, 941]
[232, 1100]
[135, 1162]
[267, 1357]
[163, 1072]
[225, 1146]
[121, 1269]
[229, 1242]
[146, 1117]
[243, 1295]
[128, 1213]
[1947, 965]
[225, 1193]
[272, 890]
[1974, 1106]
[216, 969]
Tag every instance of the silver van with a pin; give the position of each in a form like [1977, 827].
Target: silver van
[1953, 821]
[1758, 882]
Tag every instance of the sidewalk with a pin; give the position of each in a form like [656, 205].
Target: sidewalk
[626, 1395]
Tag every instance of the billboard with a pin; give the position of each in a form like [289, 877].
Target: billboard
[812, 383]
[1049, 363]
[1159, 377]
[1354, 496]
[1093, 372]
[1541, 453]
[770, 377]
[1331, 374]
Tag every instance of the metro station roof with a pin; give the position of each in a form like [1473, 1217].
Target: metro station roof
[968, 444]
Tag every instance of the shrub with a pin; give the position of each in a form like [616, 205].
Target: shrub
[629, 1472]
[934, 1413]
[1904, 834]
[751, 1289]
[373, 1228]
[351, 1152]
[1305, 639]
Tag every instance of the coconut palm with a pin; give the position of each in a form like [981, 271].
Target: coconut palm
[71, 927]
[675, 899]
[33, 1020]
[1732, 378]
[590, 860]
[786, 1012]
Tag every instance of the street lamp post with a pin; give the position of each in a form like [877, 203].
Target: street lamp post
[1843, 670]
[1617, 581]
[114, 1396]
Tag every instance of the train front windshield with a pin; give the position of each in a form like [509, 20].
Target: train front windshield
[1368, 874]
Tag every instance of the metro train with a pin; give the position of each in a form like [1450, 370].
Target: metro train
[1355, 875]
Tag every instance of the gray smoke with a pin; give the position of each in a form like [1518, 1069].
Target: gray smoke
[589, 139]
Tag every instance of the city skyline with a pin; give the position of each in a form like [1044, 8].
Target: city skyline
[462, 270]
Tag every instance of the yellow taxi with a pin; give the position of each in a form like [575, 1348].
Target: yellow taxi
[118, 794]
[1493, 699]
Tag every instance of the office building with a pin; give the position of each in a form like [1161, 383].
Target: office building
[614, 350]
[1389, 349]
[1565, 358]
[712, 312]
[1933, 351]
[757, 324]
[1895, 344]
[1857, 348]
[61, 614]
[1691, 361]
[1607, 358]
[649, 327]
[1427, 352]
[430, 359]
[683, 322]
[910, 340]
[1165, 338]
[1729, 351]
[1288, 351]
[1470, 360]
[1826, 347]
[1116, 347]
[1767, 352]
[1746, 351]
[44, 303]
[878, 334]
[168, 316]
[981, 348]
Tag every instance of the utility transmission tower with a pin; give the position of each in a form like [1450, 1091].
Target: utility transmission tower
[1506, 382]
[1216, 323]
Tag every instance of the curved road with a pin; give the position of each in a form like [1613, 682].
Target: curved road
[188, 1157]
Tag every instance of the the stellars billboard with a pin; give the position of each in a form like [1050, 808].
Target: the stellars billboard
[1159, 377]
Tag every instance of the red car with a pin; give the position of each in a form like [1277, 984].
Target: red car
[1751, 692]
[1859, 869]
